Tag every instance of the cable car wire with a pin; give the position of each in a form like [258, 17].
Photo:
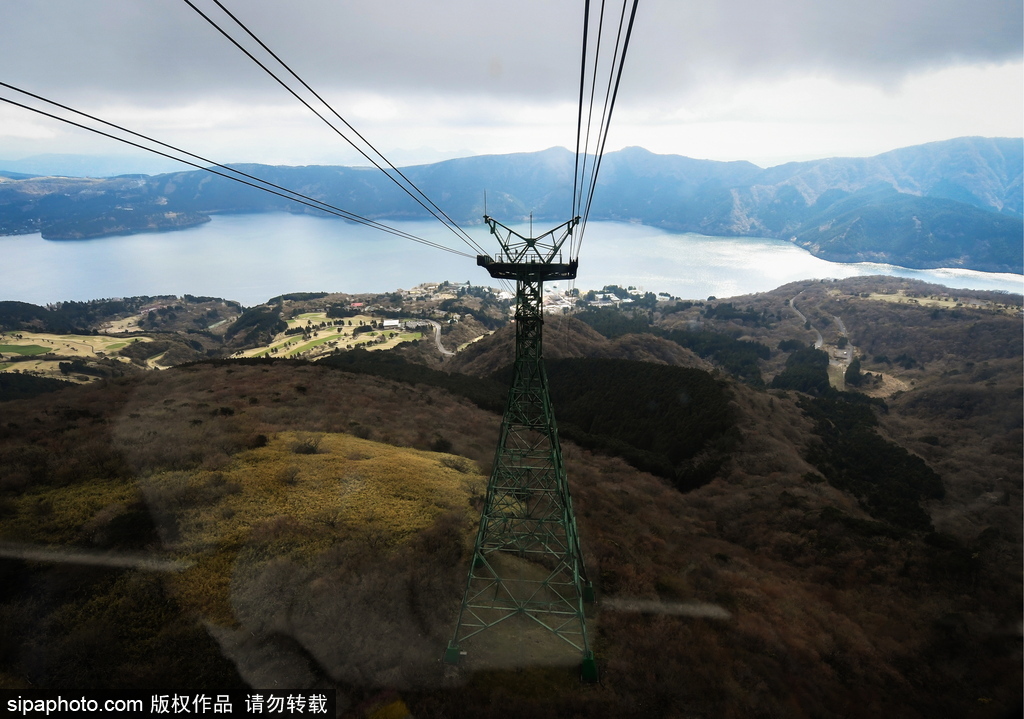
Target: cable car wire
[347, 124]
[289, 195]
[579, 114]
[450, 224]
[610, 97]
[586, 184]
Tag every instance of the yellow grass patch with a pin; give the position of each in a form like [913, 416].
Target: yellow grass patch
[57, 514]
[890, 385]
[942, 301]
[128, 324]
[47, 368]
[83, 346]
[276, 502]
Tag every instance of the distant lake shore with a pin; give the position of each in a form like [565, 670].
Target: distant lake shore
[250, 258]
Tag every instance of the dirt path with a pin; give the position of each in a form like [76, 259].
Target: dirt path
[154, 361]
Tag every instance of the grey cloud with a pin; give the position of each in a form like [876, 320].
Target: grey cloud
[161, 51]
[877, 41]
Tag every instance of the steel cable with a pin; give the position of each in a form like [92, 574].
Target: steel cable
[291, 195]
[453, 227]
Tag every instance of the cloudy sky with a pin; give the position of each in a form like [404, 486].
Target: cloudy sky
[763, 80]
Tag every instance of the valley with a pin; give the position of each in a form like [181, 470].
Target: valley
[790, 548]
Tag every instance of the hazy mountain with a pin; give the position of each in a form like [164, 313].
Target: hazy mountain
[979, 171]
[71, 165]
[955, 203]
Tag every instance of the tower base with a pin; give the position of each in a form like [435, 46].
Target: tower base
[452, 654]
[588, 670]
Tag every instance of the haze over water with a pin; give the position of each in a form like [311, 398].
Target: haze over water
[251, 258]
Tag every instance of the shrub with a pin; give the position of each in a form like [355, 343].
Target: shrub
[288, 475]
[306, 445]
[441, 444]
[806, 371]
[459, 464]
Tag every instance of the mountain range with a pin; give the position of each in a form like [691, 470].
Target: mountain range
[955, 203]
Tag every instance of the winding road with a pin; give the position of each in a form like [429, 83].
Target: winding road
[437, 339]
[818, 342]
[838, 359]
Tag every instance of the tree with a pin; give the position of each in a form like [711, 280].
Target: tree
[853, 374]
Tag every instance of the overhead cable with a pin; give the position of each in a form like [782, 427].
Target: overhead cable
[590, 118]
[266, 186]
[606, 115]
[587, 184]
[579, 113]
[432, 209]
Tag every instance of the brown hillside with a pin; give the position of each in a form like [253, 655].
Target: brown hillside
[766, 592]
[566, 337]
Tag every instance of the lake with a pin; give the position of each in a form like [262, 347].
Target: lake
[251, 258]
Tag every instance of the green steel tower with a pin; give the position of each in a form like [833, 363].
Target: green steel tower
[527, 560]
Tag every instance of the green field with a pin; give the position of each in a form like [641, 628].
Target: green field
[23, 349]
[310, 345]
[342, 334]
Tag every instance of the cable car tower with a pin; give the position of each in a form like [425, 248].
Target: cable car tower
[527, 561]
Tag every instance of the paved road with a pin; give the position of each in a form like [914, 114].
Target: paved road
[838, 358]
[820, 340]
[437, 339]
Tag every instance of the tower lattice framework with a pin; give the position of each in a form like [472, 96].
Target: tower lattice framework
[526, 560]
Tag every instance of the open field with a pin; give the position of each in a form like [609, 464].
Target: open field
[127, 324]
[27, 350]
[82, 346]
[51, 349]
[45, 368]
[942, 301]
[324, 340]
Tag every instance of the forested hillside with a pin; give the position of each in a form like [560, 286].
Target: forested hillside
[790, 544]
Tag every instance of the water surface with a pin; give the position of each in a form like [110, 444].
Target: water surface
[250, 258]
